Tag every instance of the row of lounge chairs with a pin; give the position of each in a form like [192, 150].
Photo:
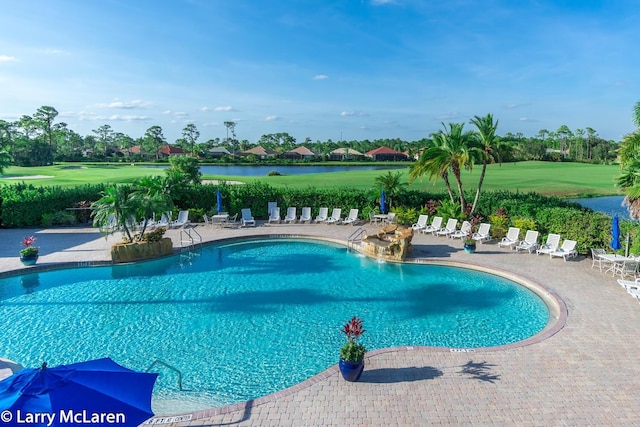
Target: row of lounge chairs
[530, 243]
[450, 229]
[305, 216]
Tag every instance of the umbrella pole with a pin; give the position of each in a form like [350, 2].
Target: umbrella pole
[626, 248]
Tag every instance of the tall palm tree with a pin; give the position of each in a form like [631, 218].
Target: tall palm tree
[629, 154]
[489, 146]
[636, 114]
[452, 151]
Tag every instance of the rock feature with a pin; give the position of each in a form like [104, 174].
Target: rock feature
[391, 242]
[128, 252]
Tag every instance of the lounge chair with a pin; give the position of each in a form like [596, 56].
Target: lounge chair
[182, 220]
[436, 225]
[165, 220]
[511, 239]
[352, 218]
[630, 284]
[567, 250]
[464, 231]
[421, 224]
[270, 206]
[291, 215]
[553, 240]
[448, 229]
[482, 235]
[323, 215]
[247, 218]
[274, 216]
[305, 216]
[530, 242]
[335, 216]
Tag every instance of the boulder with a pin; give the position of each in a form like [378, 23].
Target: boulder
[128, 252]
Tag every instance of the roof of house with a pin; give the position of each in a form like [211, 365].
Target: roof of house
[170, 149]
[347, 151]
[383, 150]
[260, 151]
[303, 151]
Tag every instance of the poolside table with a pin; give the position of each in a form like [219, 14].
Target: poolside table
[614, 259]
[219, 219]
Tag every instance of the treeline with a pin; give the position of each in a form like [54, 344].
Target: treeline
[39, 140]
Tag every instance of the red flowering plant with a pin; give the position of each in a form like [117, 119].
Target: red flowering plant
[29, 249]
[352, 350]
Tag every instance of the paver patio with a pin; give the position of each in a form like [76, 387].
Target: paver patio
[586, 374]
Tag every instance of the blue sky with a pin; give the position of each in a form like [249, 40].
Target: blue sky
[323, 69]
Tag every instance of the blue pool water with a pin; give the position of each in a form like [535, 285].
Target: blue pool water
[244, 319]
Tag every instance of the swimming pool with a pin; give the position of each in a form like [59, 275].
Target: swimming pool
[244, 319]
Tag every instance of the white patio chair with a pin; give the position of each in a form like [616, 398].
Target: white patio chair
[335, 216]
[305, 216]
[511, 239]
[352, 218]
[435, 226]
[553, 240]
[291, 215]
[323, 215]
[464, 231]
[182, 220]
[596, 260]
[483, 235]
[274, 215]
[530, 242]
[247, 218]
[568, 250]
[448, 229]
[421, 224]
[626, 269]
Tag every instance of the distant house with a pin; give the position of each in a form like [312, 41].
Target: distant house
[344, 154]
[386, 153]
[260, 151]
[136, 150]
[218, 152]
[299, 153]
[170, 150]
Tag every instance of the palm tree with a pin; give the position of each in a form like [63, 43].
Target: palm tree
[629, 154]
[488, 141]
[391, 184]
[117, 201]
[453, 150]
[636, 114]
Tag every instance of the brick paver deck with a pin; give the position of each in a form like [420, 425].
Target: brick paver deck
[585, 374]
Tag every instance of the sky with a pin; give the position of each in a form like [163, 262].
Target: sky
[322, 69]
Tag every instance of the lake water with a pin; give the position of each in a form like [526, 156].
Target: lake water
[611, 205]
[263, 170]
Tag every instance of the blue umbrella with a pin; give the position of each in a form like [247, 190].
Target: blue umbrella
[615, 233]
[383, 202]
[219, 200]
[66, 395]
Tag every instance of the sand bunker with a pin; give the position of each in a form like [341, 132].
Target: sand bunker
[216, 182]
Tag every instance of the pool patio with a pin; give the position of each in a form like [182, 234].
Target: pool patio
[585, 374]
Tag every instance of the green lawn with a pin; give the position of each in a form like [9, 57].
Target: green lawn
[560, 179]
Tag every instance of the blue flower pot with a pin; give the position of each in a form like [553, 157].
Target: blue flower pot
[351, 371]
[469, 248]
[29, 259]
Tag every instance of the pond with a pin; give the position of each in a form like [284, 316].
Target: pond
[611, 205]
[263, 170]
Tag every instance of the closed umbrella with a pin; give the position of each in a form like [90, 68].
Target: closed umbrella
[383, 202]
[98, 392]
[219, 200]
[615, 234]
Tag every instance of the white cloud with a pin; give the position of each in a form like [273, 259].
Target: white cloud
[227, 108]
[167, 112]
[7, 58]
[526, 119]
[180, 114]
[125, 105]
[320, 77]
[205, 109]
[271, 118]
[83, 115]
[353, 114]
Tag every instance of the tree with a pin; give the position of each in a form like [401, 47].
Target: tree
[186, 167]
[636, 114]
[190, 136]
[452, 151]
[154, 140]
[391, 184]
[43, 119]
[105, 138]
[488, 142]
[629, 179]
[233, 142]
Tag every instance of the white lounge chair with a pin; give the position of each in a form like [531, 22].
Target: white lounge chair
[274, 216]
[352, 218]
[165, 220]
[247, 218]
[630, 284]
[436, 225]
[305, 216]
[335, 216]
[421, 224]
[291, 215]
[511, 239]
[482, 235]
[182, 220]
[323, 215]
[567, 250]
[553, 240]
[530, 242]
[448, 229]
[270, 206]
[464, 231]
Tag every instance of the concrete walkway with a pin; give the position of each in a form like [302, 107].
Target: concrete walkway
[586, 374]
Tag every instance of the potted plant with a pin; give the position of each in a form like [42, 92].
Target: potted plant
[29, 253]
[352, 352]
[469, 243]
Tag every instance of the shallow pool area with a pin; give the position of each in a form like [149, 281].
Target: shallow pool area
[240, 320]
